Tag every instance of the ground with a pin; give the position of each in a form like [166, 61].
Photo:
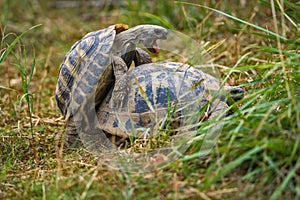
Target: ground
[255, 45]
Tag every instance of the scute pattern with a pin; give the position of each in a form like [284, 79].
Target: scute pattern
[82, 68]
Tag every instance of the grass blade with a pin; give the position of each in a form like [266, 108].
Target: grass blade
[233, 164]
[16, 40]
[285, 182]
[161, 20]
[236, 19]
[31, 69]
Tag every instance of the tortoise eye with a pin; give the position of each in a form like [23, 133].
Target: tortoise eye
[157, 31]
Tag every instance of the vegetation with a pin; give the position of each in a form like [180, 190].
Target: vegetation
[255, 44]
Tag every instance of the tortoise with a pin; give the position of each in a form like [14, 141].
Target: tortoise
[89, 69]
[144, 96]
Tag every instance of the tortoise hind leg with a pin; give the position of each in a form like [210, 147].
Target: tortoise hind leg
[71, 137]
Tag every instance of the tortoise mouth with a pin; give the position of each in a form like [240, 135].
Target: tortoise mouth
[154, 48]
[159, 34]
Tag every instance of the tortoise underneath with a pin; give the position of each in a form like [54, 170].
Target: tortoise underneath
[144, 97]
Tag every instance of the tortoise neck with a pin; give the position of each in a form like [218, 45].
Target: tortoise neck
[122, 42]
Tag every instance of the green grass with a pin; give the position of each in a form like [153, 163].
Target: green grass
[257, 154]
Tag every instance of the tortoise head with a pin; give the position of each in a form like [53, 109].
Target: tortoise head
[234, 94]
[146, 35]
[149, 34]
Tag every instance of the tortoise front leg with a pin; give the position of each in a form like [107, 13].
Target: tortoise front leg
[141, 57]
[120, 88]
[218, 107]
[119, 67]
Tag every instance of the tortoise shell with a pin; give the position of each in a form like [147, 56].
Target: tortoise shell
[83, 67]
[144, 96]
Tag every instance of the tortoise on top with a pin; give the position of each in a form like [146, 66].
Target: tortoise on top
[144, 96]
[89, 68]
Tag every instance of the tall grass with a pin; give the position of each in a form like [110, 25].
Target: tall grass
[20, 56]
[264, 138]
